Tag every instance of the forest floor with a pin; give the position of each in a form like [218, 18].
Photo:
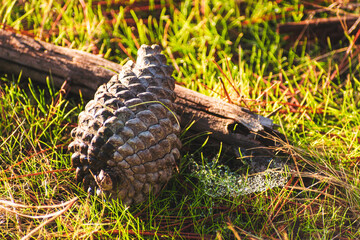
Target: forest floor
[296, 61]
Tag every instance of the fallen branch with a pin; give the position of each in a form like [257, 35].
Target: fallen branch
[320, 28]
[317, 23]
[86, 72]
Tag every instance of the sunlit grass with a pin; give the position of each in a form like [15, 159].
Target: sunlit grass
[223, 49]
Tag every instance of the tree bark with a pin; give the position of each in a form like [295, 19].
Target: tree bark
[86, 72]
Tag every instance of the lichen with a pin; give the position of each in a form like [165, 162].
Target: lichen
[218, 180]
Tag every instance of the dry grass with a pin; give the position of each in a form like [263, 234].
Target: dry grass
[224, 49]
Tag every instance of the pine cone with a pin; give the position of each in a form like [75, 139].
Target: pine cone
[126, 142]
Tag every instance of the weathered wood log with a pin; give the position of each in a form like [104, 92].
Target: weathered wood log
[86, 72]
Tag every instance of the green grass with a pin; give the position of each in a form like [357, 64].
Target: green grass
[227, 41]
